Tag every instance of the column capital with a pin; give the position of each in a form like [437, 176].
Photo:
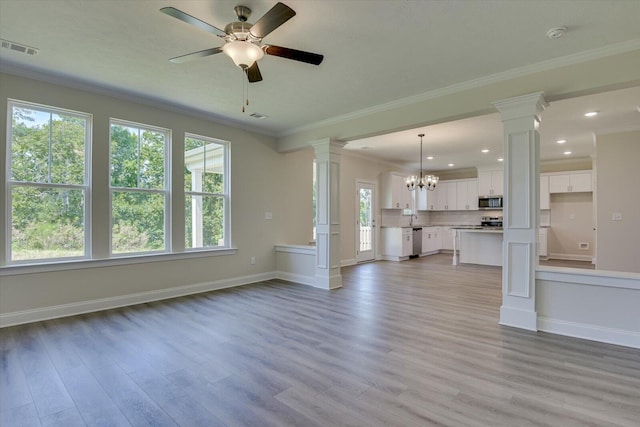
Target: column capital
[531, 105]
[327, 146]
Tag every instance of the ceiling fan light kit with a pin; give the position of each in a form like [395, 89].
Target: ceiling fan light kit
[243, 41]
[242, 54]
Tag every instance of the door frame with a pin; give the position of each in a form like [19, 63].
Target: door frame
[374, 216]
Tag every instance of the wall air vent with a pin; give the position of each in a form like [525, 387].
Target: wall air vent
[17, 47]
[259, 116]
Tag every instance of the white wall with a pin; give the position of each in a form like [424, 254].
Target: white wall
[571, 224]
[618, 191]
[296, 198]
[255, 172]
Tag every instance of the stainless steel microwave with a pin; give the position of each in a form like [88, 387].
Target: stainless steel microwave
[490, 202]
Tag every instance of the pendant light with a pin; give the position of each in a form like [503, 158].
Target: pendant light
[421, 181]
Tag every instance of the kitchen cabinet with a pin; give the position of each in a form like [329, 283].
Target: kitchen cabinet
[467, 195]
[570, 182]
[446, 196]
[447, 238]
[426, 199]
[545, 199]
[431, 239]
[394, 193]
[396, 242]
[542, 242]
[490, 183]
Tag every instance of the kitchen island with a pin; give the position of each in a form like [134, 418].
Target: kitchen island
[477, 245]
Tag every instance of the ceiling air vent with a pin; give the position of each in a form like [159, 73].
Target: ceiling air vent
[259, 116]
[17, 47]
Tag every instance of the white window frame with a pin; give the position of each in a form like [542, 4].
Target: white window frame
[225, 195]
[166, 191]
[85, 188]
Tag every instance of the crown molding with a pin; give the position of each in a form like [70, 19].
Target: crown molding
[576, 58]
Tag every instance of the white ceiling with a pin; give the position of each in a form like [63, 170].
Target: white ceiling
[376, 52]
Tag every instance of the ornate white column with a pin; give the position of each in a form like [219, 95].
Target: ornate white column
[520, 118]
[327, 154]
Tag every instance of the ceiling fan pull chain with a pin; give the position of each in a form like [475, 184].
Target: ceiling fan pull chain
[243, 79]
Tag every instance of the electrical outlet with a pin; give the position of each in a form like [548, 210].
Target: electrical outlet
[252, 260]
[583, 245]
[268, 215]
[616, 216]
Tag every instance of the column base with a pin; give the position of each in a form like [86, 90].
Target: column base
[523, 319]
[332, 282]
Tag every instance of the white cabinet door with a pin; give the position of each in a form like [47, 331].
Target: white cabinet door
[467, 195]
[447, 238]
[572, 182]
[581, 182]
[446, 196]
[425, 199]
[472, 195]
[490, 183]
[394, 192]
[545, 200]
[559, 183]
[407, 241]
[497, 180]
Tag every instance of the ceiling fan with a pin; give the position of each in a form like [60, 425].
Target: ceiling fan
[243, 41]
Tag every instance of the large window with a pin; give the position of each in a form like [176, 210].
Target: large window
[48, 182]
[206, 192]
[139, 188]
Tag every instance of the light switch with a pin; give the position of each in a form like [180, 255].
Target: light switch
[616, 216]
[268, 215]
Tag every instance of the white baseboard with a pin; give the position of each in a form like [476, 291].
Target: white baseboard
[570, 257]
[517, 318]
[590, 332]
[298, 278]
[64, 310]
[347, 262]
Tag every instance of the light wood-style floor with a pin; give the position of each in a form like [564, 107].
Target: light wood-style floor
[403, 344]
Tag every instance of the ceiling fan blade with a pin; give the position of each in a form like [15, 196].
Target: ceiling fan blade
[195, 55]
[276, 16]
[185, 17]
[296, 55]
[253, 73]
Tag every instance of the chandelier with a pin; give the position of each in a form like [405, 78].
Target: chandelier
[421, 181]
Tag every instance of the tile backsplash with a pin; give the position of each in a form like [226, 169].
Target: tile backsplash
[394, 217]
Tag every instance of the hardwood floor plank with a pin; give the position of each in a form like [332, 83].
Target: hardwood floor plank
[415, 343]
[93, 403]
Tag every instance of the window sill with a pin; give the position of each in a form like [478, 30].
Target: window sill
[45, 267]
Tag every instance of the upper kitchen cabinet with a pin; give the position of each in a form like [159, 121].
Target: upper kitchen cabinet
[467, 195]
[426, 199]
[446, 196]
[490, 183]
[545, 200]
[393, 191]
[570, 182]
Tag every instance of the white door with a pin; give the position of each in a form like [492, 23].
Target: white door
[365, 221]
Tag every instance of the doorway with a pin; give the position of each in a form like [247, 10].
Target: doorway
[365, 221]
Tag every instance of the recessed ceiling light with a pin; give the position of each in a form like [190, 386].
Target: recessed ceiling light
[500, 159]
[591, 114]
[429, 157]
[566, 153]
[364, 147]
[451, 165]
[486, 150]
[259, 116]
[561, 141]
